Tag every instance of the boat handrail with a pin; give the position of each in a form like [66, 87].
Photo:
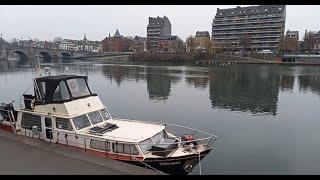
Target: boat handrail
[211, 139]
[165, 123]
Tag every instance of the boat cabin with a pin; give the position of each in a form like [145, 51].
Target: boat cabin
[64, 110]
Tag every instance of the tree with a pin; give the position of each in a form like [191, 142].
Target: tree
[207, 44]
[287, 44]
[309, 41]
[190, 43]
[245, 42]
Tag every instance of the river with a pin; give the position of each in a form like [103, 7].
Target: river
[265, 116]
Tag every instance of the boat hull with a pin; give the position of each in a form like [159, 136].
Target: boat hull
[173, 165]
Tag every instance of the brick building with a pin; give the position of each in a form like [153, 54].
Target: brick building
[116, 43]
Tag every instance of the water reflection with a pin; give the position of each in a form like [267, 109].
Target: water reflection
[159, 82]
[245, 88]
[287, 82]
[309, 82]
[197, 79]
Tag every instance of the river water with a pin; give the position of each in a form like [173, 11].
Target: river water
[266, 117]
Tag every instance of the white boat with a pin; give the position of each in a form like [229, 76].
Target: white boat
[64, 110]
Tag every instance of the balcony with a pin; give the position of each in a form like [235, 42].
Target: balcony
[218, 19]
[251, 37]
[241, 28]
[247, 22]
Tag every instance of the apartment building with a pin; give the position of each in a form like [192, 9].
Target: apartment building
[157, 28]
[251, 28]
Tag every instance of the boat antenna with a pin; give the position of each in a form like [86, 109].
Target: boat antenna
[39, 66]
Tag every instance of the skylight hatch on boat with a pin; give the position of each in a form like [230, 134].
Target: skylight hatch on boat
[101, 130]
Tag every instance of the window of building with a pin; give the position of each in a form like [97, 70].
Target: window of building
[100, 145]
[62, 123]
[81, 122]
[29, 120]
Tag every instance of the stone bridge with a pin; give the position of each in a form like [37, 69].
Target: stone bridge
[27, 53]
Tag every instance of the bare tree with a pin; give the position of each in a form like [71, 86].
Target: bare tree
[309, 41]
[190, 42]
[245, 42]
[287, 44]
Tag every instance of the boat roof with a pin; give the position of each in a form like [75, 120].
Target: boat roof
[131, 131]
[47, 85]
[58, 77]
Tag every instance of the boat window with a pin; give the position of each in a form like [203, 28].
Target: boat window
[95, 117]
[29, 120]
[78, 87]
[146, 145]
[125, 148]
[100, 145]
[158, 138]
[104, 113]
[81, 122]
[61, 92]
[62, 123]
[48, 122]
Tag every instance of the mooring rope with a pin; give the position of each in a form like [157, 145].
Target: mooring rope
[199, 163]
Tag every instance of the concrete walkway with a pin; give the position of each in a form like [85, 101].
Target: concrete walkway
[23, 155]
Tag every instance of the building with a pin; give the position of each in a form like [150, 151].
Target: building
[157, 28]
[290, 42]
[317, 42]
[138, 44]
[80, 45]
[249, 28]
[310, 42]
[116, 43]
[170, 44]
[202, 41]
[292, 35]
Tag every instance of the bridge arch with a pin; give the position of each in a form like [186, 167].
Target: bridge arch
[23, 56]
[66, 55]
[46, 56]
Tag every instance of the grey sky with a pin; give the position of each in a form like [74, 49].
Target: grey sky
[72, 21]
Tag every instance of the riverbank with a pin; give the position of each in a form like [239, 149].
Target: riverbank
[205, 58]
[23, 155]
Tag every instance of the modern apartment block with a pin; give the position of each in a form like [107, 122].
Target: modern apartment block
[157, 27]
[249, 28]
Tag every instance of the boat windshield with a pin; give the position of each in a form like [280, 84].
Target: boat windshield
[105, 115]
[95, 117]
[81, 122]
[78, 87]
[147, 144]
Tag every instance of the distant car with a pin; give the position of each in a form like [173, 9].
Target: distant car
[238, 53]
[267, 51]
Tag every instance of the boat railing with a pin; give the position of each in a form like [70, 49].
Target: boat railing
[201, 138]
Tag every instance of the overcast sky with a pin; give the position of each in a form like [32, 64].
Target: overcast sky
[72, 21]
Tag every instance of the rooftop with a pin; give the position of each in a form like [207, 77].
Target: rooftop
[251, 10]
[202, 34]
